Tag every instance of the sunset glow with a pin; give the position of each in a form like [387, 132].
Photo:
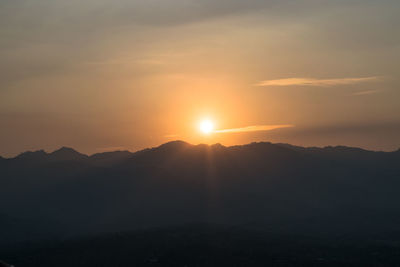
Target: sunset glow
[206, 126]
[193, 128]
[101, 74]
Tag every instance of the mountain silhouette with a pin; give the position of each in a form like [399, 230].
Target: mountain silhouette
[109, 158]
[32, 155]
[62, 154]
[276, 187]
[65, 154]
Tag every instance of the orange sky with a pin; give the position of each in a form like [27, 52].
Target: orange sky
[104, 75]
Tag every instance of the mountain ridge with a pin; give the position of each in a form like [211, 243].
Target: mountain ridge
[67, 151]
[260, 185]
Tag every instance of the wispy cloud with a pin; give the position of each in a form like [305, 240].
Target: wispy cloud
[254, 128]
[316, 82]
[123, 61]
[368, 92]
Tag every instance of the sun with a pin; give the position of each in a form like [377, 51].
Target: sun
[206, 126]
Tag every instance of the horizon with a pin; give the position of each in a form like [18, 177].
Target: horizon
[48, 152]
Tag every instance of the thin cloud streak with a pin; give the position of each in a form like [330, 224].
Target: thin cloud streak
[255, 128]
[316, 82]
[368, 92]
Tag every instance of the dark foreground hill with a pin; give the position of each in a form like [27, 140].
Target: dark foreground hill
[276, 188]
[206, 245]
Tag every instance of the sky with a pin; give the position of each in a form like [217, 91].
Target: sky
[101, 75]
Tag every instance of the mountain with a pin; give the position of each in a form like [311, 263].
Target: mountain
[332, 191]
[109, 158]
[32, 156]
[62, 154]
[66, 154]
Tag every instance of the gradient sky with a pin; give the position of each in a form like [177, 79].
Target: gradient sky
[102, 75]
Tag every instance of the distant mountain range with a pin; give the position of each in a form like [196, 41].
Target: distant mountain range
[70, 154]
[263, 186]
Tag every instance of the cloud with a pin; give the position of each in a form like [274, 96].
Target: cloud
[368, 92]
[103, 13]
[255, 128]
[316, 82]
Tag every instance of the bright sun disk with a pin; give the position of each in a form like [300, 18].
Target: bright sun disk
[207, 126]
